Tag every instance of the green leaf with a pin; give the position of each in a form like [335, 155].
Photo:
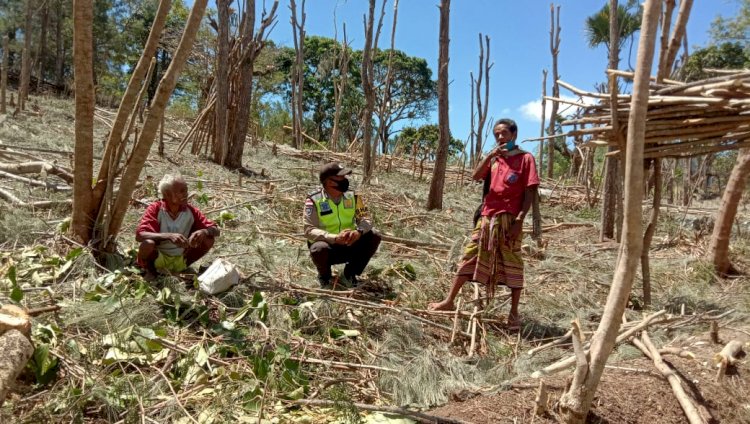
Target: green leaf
[74, 253]
[12, 274]
[43, 364]
[297, 393]
[16, 294]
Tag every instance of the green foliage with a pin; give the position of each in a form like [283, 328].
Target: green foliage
[728, 55]
[628, 21]
[423, 142]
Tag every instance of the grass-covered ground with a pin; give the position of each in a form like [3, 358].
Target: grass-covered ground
[120, 349]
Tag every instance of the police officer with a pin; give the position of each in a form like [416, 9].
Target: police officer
[337, 227]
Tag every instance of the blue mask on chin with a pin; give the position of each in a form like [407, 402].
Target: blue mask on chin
[511, 145]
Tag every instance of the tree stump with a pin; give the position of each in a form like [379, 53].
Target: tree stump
[16, 350]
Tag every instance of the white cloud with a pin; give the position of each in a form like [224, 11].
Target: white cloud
[533, 110]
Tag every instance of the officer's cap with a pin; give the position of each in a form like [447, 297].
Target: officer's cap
[332, 169]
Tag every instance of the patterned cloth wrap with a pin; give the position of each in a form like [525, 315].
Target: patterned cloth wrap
[491, 257]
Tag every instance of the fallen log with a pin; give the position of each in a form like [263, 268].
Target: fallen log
[16, 350]
[571, 360]
[36, 168]
[42, 204]
[686, 402]
[37, 183]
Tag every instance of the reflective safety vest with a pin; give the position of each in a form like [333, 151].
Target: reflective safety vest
[336, 218]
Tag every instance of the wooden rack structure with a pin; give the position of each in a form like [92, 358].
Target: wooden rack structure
[683, 119]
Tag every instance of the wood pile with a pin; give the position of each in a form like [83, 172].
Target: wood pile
[683, 119]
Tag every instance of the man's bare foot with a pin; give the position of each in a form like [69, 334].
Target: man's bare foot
[441, 306]
[514, 322]
[149, 276]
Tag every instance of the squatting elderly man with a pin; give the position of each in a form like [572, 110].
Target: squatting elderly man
[172, 233]
[337, 227]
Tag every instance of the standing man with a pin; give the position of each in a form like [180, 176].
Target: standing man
[493, 255]
[172, 233]
[337, 227]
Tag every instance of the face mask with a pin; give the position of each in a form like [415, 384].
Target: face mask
[342, 185]
[510, 145]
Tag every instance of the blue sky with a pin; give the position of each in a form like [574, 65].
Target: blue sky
[519, 38]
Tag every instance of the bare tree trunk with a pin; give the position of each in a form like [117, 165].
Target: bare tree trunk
[42, 55]
[23, 89]
[473, 131]
[298, 76]
[484, 74]
[648, 236]
[610, 199]
[718, 249]
[374, 48]
[576, 401]
[386, 102]
[678, 34]
[83, 18]
[222, 82]
[4, 75]
[339, 90]
[664, 68]
[435, 197]
[252, 44]
[554, 47]
[369, 91]
[143, 147]
[540, 159]
[687, 175]
[107, 168]
[59, 48]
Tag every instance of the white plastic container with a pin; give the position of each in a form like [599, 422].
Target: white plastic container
[219, 277]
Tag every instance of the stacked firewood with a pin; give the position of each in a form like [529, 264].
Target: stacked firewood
[684, 119]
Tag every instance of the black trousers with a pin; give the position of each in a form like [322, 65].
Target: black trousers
[355, 256]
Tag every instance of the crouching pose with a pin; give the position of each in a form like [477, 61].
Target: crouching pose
[337, 227]
[172, 233]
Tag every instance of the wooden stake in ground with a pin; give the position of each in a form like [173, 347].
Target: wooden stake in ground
[727, 357]
[23, 87]
[554, 47]
[16, 350]
[542, 397]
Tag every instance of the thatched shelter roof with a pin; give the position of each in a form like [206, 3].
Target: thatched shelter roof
[683, 119]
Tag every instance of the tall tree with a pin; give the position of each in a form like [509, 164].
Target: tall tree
[23, 89]
[435, 197]
[4, 75]
[369, 92]
[83, 13]
[41, 56]
[554, 47]
[221, 146]
[251, 45]
[339, 89]
[412, 92]
[298, 73]
[385, 98]
[576, 401]
[668, 53]
[718, 249]
[483, 77]
[108, 207]
[612, 30]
